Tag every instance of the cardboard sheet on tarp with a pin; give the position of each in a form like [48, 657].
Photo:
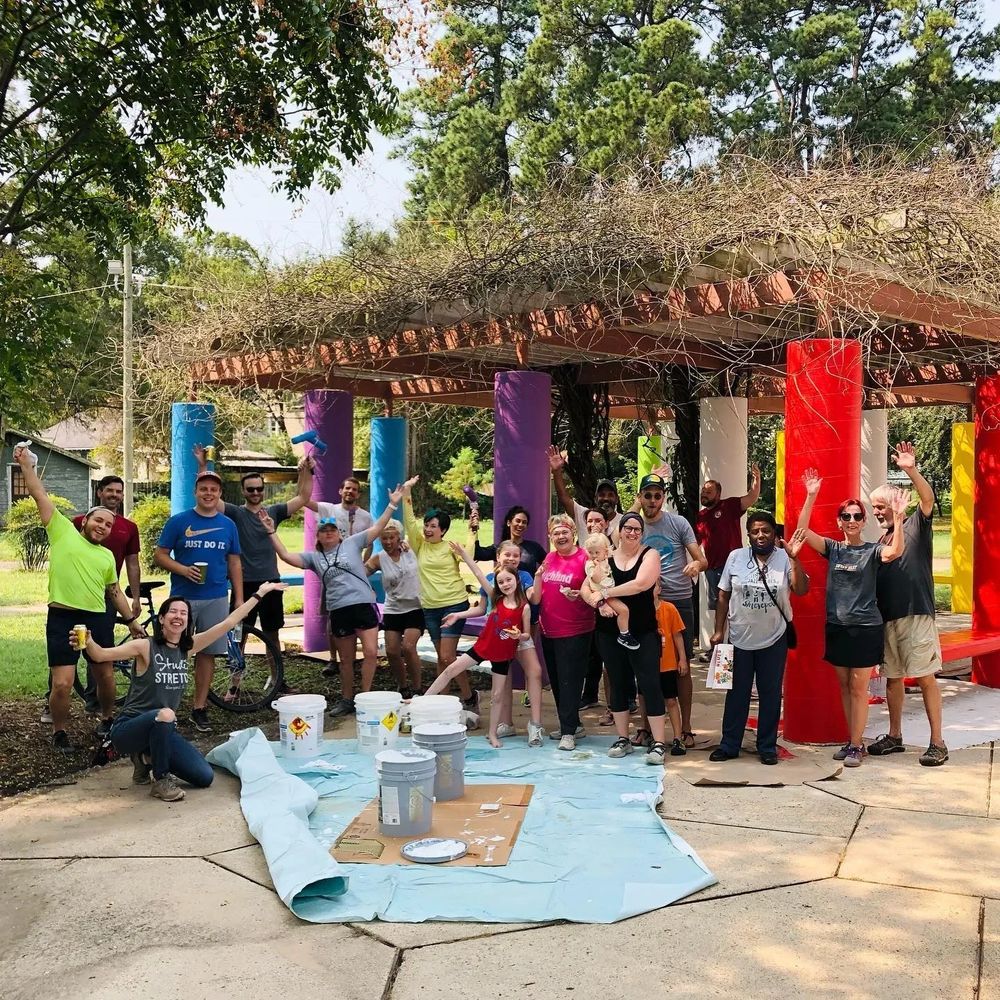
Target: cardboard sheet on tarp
[490, 833]
[796, 767]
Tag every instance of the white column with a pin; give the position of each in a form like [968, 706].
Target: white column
[874, 463]
[724, 425]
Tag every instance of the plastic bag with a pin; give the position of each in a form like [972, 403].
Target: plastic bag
[720, 667]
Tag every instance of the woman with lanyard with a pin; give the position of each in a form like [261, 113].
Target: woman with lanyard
[635, 569]
[855, 632]
[348, 595]
[402, 616]
[754, 601]
[515, 524]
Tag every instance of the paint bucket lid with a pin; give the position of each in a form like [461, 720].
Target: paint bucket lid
[438, 729]
[408, 761]
[378, 699]
[300, 704]
[434, 850]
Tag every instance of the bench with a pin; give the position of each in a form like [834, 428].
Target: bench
[963, 643]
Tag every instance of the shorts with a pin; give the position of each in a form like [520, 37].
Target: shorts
[404, 620]
[352, 618]
[856, 646]
[433, 617]
[685, 608]
[712, 578]
[912, 647]
[501, 667]
[58, 623]
[207, 614]
[270, 608]
[668, 684]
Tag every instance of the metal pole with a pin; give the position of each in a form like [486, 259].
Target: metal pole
[127, 470]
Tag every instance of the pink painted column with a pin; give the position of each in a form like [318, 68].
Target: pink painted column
[986, 527]
[331, 414]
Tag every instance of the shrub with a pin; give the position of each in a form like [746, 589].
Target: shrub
[24, 528]
[150, 515]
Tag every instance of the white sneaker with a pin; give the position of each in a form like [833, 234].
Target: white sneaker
[567, 743]
[536, 735]
[46, 715]
[504, 730]
[556, 734]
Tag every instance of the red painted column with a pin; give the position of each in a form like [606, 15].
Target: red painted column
[986, 527]
[823, 431]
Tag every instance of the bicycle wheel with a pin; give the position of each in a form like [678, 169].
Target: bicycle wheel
[122, 675]
[244, 681]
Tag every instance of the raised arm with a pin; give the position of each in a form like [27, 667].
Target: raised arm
[414, 527]
[798, 578]
[395, 496]
[906, 459]
[34, 485]
[750, 498]
[471, 563]
[812, 483]
[304, 496]
[126, 651]
[204, 639]
[556, 464]
[898, 502]
[199, 454]
[292, 558]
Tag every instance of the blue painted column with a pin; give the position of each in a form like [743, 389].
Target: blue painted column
[387, 471]
[331, 414]
[190, 424]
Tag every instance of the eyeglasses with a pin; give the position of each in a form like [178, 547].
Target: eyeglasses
[253, 489]
[847, 516]
[631, 528]
[652, 496]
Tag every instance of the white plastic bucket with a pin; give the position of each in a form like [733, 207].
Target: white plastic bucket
[300, 723]
[405, 791]
[428, 708]
[447, 740]
[378, 715]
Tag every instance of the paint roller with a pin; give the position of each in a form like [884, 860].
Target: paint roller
[311, 437]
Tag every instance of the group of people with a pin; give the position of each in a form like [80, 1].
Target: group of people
[612, 599]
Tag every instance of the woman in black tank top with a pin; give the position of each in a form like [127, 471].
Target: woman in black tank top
[636, 572]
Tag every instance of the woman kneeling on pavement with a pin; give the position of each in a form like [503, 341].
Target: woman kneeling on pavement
[146, 726]
[754, 601]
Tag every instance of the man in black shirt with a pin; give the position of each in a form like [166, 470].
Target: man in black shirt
[906, 601]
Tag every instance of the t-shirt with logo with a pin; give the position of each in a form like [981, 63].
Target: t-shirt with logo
[720, 530]
[754, 621]
[670, 534]
[194, 537]
[560, 616]
[160, 685]
[80, 571]
[851, 580]
[121, 541]
[260, 561]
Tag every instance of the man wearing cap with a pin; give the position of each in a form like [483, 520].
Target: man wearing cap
[681, 560]
[719, 527]
[207, 537]
[81, 578]
[605, 499]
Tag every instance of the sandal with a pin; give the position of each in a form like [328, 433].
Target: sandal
[642, 738]
[607, 719]
[688, 740]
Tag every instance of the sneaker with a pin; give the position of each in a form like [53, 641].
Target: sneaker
[854, 756]
[330, 672]
[677, 749]
[46, 715]
[200, 720]
[343, 707]
[628, 640]
[643, 738]
[92, 708]
[841, 754]
[140, 770]
[556, 734]
[166, 788]
[934, 756]
[621, 747]
[504, 730]
[633, 708]
[536, 735]
[607, 719]
[567, 743]
[472, 703]
[886, 745]
[104, 728]
[589, 703]
[61, 743]
[656, 753]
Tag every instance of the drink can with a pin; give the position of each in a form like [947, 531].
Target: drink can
[202, 568]
[80, 633]
[210, 453]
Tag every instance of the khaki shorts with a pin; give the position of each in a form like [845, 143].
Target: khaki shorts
[912, 648]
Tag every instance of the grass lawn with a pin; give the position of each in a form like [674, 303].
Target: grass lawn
[22, 639]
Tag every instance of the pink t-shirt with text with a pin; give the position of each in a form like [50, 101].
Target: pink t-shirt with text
[560, 616]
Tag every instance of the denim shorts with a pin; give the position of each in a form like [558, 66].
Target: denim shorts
[433, 616]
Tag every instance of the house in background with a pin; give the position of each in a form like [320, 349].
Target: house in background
[96, 435]
[63, 473]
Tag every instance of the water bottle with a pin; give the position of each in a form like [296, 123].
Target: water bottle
[238, 632]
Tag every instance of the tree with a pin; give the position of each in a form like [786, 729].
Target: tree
[929, 428]
[105, 106]
[465, 470]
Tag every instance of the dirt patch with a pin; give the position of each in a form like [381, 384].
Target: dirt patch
[27, 759]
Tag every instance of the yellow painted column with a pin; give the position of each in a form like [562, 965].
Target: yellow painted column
[648, 459]
[963, 440]
[779, 479]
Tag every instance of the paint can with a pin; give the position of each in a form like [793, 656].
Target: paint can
[447, 740]
[378, 714]
[300, 723]
[405, 791]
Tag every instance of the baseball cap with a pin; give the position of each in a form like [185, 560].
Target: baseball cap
[208, 475]
[327, 522]
[653, 480]
[605, 484]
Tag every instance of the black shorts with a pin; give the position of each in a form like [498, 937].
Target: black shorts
[854, 645]
[58, 623]
[270, 607]
[352, 618]
[668, 684]
[403, 621]
[501, 667]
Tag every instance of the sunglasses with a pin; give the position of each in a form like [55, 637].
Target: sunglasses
[253, 489]
[652, 496]
[846, 516]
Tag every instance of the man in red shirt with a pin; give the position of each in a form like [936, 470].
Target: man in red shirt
[719, 527]
[123, 543]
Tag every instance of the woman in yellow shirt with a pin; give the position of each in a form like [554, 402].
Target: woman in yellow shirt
[442, 589]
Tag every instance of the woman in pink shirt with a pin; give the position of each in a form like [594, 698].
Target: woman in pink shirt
[567, 623]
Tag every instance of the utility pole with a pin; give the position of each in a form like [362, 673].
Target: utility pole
[127, 467]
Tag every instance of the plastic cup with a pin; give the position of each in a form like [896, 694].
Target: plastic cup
[80, 636]
[202, 568]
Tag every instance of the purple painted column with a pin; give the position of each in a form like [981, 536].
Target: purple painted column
[331, 414]
[523, 412]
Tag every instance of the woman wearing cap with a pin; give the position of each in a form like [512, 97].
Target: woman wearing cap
[515, 524]
[348, 596]
[442, 589]
[855, 634]
[635, 569]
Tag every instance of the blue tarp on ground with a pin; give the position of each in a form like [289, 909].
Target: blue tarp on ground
[591, 849]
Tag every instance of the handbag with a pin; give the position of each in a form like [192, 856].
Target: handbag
[791, 636]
